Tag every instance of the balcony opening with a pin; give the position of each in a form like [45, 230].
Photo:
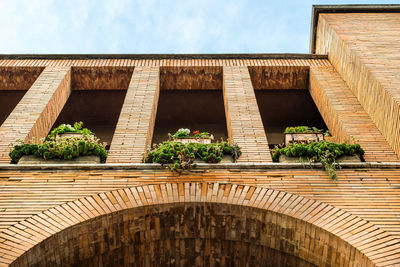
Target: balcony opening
[96, 99]
[14, 83]
[284, 100]
[190, 97]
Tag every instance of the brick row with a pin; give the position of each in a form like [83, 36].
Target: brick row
[35, 114]
[134, 131]
[244, 122]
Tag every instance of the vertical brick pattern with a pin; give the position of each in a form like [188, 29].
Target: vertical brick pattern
[344, 115]
[244, 123]
[365, 50]
[37, 111]
[134, 130]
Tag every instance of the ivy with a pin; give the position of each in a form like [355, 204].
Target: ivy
[325, 152]
[181, 156]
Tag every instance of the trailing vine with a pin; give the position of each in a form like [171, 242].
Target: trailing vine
[325, 152]
[180, 157]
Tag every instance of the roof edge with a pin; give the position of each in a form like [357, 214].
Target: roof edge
[162, 56]
[317, 9]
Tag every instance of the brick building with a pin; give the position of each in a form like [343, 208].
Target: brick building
[252, 212]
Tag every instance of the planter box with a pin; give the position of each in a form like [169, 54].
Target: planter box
[194, 140]
[303, 137]
[25, 160]
[285, 159]
[225, 159]
[74, 135]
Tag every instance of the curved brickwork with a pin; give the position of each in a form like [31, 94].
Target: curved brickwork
[340, 237]
[191, 234]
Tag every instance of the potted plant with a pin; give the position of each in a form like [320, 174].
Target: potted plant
[301, 134]
[82, 147]
[179, 156]
[330, 154]
[184, 136]
[66, 130]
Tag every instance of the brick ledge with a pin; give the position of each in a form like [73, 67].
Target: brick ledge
[199, 167]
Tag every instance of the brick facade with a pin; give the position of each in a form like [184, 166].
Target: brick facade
[364, 49]
[135, 126]
[38, 109]
[244, 122]
[344, 115]
[254, 212]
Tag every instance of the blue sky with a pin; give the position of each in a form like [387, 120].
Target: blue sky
[151, 26]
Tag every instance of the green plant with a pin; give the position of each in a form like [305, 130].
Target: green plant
[182, 133]
[57, 147]
[60, 148]
[325, 152]
[181, 156]
[67, 128]
[185, 133]
[303, 129]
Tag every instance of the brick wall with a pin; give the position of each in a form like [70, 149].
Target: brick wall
[194, 234]
[244, 123]
[35, 114]
[364, 49]
[345, 117]
[134, 131]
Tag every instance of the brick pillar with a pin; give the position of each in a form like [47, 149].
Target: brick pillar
[134, 130]
[37, 111]
[244, 123]
[344, 115]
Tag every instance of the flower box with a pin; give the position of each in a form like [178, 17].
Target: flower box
[303, 137]
[346, 158]
[194, 140]
[30, 159]
[72, 134]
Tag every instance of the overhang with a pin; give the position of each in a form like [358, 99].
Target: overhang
[317, 9]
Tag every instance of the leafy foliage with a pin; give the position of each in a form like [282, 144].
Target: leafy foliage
[185, 133]
[181, 156]
[182, 133]
[325, 152]
[303, 129]
[56, 147]
[67, 128]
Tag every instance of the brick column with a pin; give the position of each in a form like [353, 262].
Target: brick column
[244, 123]
[344, 115]
[134, 130]
[37, 111]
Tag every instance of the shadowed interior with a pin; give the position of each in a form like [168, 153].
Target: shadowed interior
[201, 110]
[190, 97]
[14, 83]
[9, 99]
[98, 109]
[282, 108]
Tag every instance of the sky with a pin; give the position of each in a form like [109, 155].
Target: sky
[157, 26]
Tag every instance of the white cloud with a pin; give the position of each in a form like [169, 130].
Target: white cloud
[154, 26]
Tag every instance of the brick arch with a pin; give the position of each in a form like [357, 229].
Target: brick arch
[322, 226]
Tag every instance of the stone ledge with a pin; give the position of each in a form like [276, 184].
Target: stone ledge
[32, 160]
[199, 166]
